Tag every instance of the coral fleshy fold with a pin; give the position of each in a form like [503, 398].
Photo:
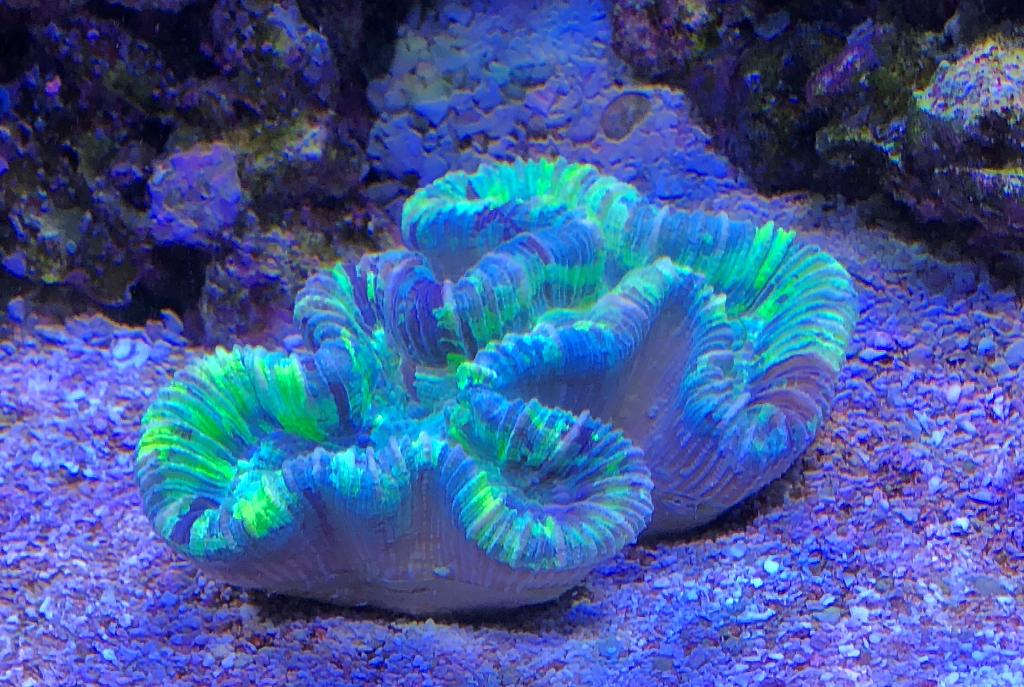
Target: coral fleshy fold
[480, 416]
[251, 466]
[713, 344]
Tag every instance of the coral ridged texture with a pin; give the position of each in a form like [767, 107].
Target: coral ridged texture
[480, 415]
[712, 343]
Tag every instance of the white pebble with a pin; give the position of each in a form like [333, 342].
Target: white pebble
[122, 349]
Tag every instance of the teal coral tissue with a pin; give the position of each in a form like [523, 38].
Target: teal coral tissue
[551, 366]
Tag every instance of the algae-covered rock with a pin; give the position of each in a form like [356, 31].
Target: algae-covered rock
[913, 100]
[964, 149]
[141, 137]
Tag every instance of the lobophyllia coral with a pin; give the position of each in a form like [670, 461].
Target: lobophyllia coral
[480, 416]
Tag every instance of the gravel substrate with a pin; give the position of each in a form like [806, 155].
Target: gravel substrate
[892, 555]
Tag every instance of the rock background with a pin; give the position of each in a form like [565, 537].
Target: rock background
[146, 147]
[206, 155]
[862, 99]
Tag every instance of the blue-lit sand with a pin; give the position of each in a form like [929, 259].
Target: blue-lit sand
[892, 555]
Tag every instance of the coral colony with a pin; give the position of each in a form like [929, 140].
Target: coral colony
[551, 365]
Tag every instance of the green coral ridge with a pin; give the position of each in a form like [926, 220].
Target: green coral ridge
[712, 343]
[480, 418]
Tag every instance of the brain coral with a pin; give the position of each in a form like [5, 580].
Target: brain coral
[480, 415]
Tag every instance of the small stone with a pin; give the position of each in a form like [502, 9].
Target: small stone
[16, 309]
[984, 496]
[623, 114]
[961, 524]
[771, 566]
[663, 664]
[871, 354]
[752, 616]
[609, 648]
[1015, 354]
[829, 616]
[46, 608]
[987, 585]
[906, 339]
[121, 350]
[966, 426]
[433, 110]
[881, 341]
[920, 355]
[953, 393]
[737, 551]
[16, 264]
[160, 352]
[909, 515]
[999, 408]
[860, 613]
[171, 321]
[141, 354]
